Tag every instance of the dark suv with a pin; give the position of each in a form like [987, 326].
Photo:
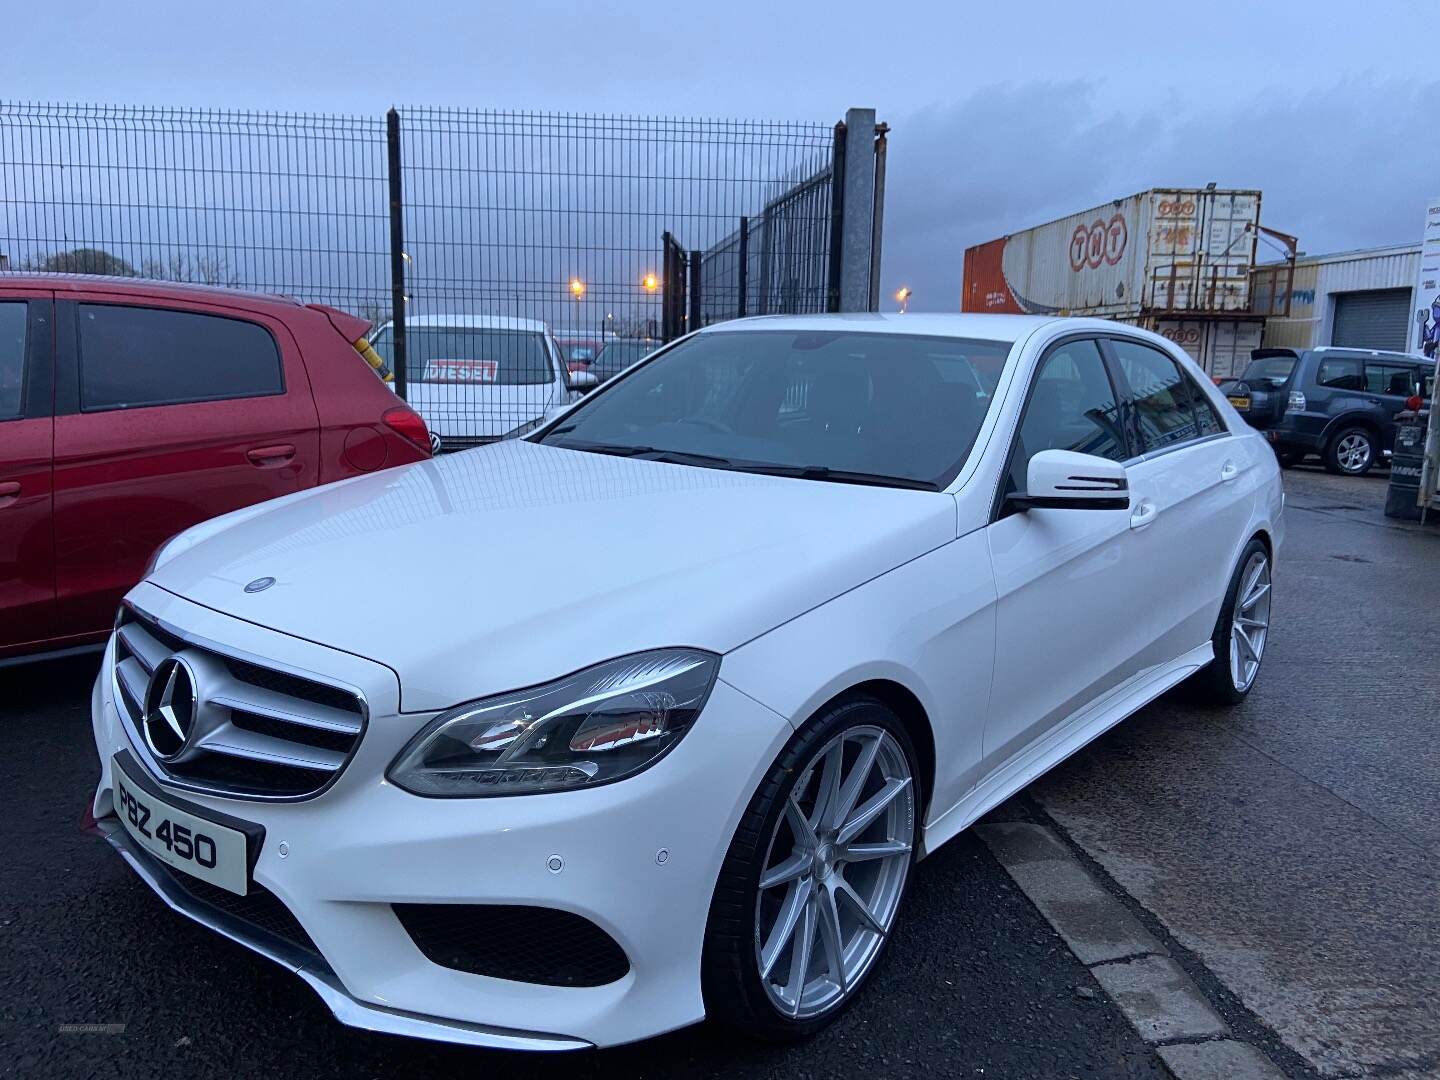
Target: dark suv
[1338, 403]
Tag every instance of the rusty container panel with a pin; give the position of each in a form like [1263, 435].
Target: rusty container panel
[1161, 251]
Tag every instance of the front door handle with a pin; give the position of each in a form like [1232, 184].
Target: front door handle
[1229, 471]
[9, 493]
[1144, 513]
[264, 457]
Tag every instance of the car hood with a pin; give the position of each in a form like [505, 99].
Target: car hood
[516, 563]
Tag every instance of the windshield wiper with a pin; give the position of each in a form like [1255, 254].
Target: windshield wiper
[649, 453]
[838, 476]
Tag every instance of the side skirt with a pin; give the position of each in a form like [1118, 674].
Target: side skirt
[1036, 760]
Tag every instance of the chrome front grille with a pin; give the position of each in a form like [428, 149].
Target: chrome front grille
[258, 731]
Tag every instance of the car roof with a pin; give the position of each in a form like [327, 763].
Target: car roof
[1362, 354]
[984, 327]
[139, 286]
[477, 322]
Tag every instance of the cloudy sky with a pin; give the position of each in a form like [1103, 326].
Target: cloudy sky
[1003, 115]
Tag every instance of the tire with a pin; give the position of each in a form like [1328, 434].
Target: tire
[1352, 451]
[1224, 681]
[744, 934]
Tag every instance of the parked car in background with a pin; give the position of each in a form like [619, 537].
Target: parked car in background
[579, 352]
[1337, 403]
[131, 410]
[848, 584]
[478, 378]
[618, 354]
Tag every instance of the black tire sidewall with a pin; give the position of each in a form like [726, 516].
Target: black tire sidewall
[730, 973]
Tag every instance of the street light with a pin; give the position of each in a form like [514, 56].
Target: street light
[903, 295]
[577, 288]
[650, 283]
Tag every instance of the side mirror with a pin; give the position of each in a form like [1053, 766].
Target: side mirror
[1065, 480]
[582, 382]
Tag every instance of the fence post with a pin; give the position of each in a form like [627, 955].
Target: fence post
[397, 250]
[743, 277]
[877, 232]
[837, 217]
[696, 319]
[857, 232]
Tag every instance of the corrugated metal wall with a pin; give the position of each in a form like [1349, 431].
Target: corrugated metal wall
[1320, 279]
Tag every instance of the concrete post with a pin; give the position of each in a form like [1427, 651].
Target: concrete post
[857, 229]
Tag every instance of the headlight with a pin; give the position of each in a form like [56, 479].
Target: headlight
[601, 724]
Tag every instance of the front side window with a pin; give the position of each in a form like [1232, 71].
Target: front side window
[1072, 406]
[1395, 379]
[135, 356]
[843, 406]
[1158, 396]
[1340, 373]
[475, 355]
[12, 359]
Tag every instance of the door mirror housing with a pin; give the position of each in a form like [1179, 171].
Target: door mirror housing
[582, 382]
[1065, 480]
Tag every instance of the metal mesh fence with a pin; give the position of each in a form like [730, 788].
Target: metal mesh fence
[511, 226]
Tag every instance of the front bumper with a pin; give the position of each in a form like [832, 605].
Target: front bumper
[639, 859]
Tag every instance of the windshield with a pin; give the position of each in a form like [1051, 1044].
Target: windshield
[462, 354]
[845, 406]
[1271, 370]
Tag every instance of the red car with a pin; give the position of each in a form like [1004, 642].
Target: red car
[130, 410]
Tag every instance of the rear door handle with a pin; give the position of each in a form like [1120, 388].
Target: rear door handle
[1144, 513]
[1229, 471]
[267, 456]
[9, 493]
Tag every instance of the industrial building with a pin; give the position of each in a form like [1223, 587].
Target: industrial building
[1359, 299]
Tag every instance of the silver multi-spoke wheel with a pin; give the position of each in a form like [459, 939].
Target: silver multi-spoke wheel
[834, 871]
[1250, 622]
[1353, 452]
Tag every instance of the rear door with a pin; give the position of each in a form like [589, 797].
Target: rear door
[1190, 501]
[1388, 383]
[27, 553]
[168, 413]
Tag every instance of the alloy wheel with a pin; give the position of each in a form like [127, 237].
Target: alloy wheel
[1250, 621]
[1353, 452]
[834, 871]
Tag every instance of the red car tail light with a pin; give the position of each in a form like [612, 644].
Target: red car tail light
[408, 425]
[1414, 402]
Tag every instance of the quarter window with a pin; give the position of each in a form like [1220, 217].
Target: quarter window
[133, 356]
[1340, 374]
[1072, 407]
[1395, 379]
[1158, 396]
[12, 359]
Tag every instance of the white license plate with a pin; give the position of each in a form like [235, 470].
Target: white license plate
[197, 846]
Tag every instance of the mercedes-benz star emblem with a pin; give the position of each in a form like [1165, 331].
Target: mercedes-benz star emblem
[260, 584]
[170, 707]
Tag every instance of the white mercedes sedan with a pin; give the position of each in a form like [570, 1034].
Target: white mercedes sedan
[849, 582]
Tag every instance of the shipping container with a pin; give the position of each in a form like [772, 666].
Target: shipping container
[1165, 252]
[1220, 346]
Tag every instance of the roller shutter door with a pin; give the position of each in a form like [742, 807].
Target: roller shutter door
[1377, 319]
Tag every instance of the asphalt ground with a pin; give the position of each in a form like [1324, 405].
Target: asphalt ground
[1290, 845]
[1284, 851]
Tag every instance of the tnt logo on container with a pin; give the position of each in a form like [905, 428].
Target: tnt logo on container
[1100, 242]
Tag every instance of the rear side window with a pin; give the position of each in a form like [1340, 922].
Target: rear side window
[1396, 379]
[132, 357]
[1340, 373]
[1072, 407]
[12, 359]
[1158, 395]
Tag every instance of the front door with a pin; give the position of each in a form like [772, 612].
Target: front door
[173, 414]
[1065, 608]
[27, 552]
